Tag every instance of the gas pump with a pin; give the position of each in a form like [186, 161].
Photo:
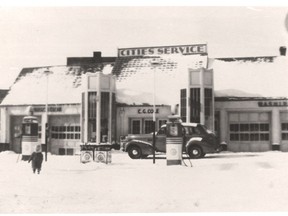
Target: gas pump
[174, 141]
[29, 136]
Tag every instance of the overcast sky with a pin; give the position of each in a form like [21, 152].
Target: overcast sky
[42, 36]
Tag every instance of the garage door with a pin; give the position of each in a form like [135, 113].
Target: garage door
[249, 131]
[65, 134]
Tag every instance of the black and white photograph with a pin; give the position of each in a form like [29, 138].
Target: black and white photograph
[143, 108]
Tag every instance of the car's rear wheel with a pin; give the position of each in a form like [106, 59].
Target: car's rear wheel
[134, 152]
[195, 152]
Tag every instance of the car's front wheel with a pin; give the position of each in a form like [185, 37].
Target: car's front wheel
[134, 152]
[195, 152]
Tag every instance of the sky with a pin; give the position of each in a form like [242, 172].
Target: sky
[40, 35]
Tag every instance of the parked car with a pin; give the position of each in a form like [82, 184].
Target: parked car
[197, 141]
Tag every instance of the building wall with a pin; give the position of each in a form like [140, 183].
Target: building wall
[261, 125]
[60, 115]
[127, 114]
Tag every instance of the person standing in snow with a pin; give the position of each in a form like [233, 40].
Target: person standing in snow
[37, 159]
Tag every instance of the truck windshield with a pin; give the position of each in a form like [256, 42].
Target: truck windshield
[205, 129]
[162, 131]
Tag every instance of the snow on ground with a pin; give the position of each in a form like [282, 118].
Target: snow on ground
[224, 182]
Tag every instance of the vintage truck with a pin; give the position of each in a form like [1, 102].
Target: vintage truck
[197, 141]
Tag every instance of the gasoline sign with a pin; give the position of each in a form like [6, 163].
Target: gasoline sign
[174, 130]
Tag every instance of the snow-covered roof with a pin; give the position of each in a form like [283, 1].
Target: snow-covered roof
[135, 78]
[262, 76]
[242, 77]
[257, 77]
[64, 85]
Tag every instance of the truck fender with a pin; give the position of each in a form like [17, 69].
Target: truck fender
[196, 141]
[146, 147]
[193, 141]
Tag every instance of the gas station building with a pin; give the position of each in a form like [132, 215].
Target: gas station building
[99, 99]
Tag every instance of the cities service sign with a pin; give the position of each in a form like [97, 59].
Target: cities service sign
[163, 50]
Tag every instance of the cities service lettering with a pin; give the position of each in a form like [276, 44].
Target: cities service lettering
[167, 50]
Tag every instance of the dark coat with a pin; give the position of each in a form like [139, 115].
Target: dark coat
[37, 159]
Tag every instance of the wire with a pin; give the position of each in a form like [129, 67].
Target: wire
[188, 159]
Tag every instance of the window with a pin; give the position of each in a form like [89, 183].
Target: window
[249, 132]
[65, 132]
[136, 127]
[208, 98]
[198, 130]
[92, 105]
[195, 104]
[186, 130]
[39, 131]
[284, 127]
[234, 127]
[162, 122]
[162, 131]
[148, 126]
[183, 110]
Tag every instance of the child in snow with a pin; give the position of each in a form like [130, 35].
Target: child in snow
[36, 158]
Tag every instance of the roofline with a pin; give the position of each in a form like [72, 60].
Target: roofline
[141, 105]
[163, 46]
[242, 58]
[248, 98]
[51, 104]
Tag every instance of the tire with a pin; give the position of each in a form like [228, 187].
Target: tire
[135, 152]
[195, 152]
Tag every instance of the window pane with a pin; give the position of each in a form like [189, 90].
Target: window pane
[70, 128]
[244, 137]
[244, 127]
[254, 137]
[162, 131]
[234, 137]
[264, 127]
[264, 137]
[254, 127]
[62, 128]
[136, 127]
[234, 127]
[148, 127]
[284, 136]
[162, 122]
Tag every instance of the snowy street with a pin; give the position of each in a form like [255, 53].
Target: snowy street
[225, 182]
